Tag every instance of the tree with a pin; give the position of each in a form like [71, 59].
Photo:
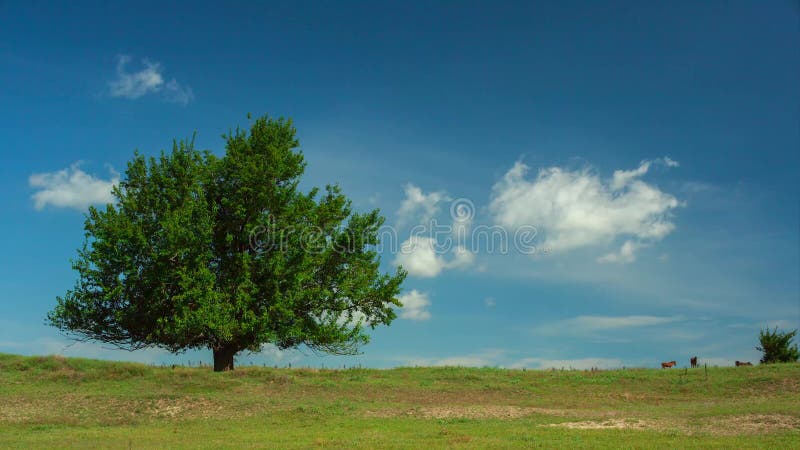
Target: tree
[776, 346]
[227, 253]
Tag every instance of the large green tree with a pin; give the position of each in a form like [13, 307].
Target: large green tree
[226, 253]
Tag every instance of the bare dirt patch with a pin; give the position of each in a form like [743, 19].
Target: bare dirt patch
[106, 410]
[609, 424]
[720, 426]
[14, 414]
[183, 407]
[470, 412]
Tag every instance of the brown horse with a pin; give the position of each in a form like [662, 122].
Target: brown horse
[667, 365]
[743, 363]
[693, 360]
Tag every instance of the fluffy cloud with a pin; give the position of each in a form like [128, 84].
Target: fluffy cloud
[133, 85]
[577, 209]
[418, 205]
[148, 80]
[415, 305]
[71, 188]
[590, 324]
[421, 257]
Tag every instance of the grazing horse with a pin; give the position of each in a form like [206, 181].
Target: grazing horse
[693, 360]
[743, 363]
[667, 365]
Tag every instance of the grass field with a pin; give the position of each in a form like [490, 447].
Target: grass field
[59, 402]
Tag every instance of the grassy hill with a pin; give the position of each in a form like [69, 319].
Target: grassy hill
[71, 402]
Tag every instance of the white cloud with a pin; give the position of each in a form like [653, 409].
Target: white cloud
[577, 364]
[415, 305]
[177, 93]
[669, 162]
[148, 80]
[462, 212]
[589, 324]
[626, 254]
[491, 357]
[418, 205]
[421, 257]
[97, 350]
[578, 209]
[273, 353]
[71, 188]
[500, 358]
[461, 258]
[623, 178]
[353, 318]
[453, 361]
[136, 84]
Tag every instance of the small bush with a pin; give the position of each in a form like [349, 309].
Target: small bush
[776, 346]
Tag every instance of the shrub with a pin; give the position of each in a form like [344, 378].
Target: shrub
[776, 346]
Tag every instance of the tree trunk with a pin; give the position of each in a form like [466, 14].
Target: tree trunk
[223, 358]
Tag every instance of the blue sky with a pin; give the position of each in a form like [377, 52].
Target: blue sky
[654, 149]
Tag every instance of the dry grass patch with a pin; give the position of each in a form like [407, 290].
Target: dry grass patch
[751, 424]
[71, 408]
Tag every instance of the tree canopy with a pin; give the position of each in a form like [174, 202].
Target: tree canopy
[226, 253]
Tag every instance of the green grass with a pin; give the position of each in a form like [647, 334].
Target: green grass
[72, 402]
